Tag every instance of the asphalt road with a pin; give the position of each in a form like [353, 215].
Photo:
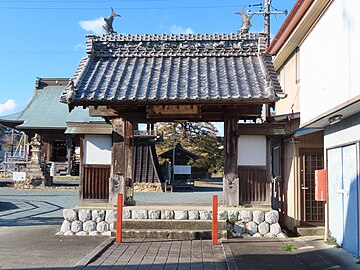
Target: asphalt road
[29, 220]
[30, 207]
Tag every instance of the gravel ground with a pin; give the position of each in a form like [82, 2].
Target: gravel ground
[29, 207]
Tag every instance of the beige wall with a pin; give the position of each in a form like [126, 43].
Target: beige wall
[292, 177]
[291, 217]
[290, 85]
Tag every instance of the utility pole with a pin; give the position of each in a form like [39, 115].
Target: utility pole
[267, 13]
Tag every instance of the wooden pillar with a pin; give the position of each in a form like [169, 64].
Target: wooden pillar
[231, 181]
[122, 160]
[68, 154]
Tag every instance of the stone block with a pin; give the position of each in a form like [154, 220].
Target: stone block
[89, 226]
[270, 235]
[84, 215]
[264, 227]
[258, 216]
[70, 215]
[275, 228]
[233, 215]
[113, 227]
[251, 227]
[154, 214]
[181, 214]
[257, 235]
[110, 216]
[98, 215]
[167, 214]
[68, 233]
[81, 233]
[222, 215]
[245, 216]
[281, 235]
[94, 233]
[193, 214]
[76, 226]
[102, 226]
[272, 217]
[65, 226]
[126, 214]
[205, 215]
[139, 214]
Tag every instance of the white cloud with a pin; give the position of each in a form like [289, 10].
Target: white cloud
[79, 47]
[8, 106]
[175, 29]
[94, 26]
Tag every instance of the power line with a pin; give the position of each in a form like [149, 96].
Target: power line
[41, 52]
[119, 8]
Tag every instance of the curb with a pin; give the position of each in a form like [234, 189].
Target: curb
[229, 257]
[92, 254]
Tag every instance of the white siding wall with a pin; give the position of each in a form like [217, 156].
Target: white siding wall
[97, 149]
[330, 60]
[345, 132]
[252, 150]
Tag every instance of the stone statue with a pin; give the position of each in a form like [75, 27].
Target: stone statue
[246, 22]
[109, 21]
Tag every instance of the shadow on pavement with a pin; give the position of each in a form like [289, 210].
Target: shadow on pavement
[5, 206]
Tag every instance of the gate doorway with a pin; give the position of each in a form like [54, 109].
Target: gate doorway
[313, 212]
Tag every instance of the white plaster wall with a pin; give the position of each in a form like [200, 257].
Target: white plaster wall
[97, 149]
[252, 150]
[330, 60]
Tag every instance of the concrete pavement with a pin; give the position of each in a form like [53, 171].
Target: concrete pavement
[29, 247]
[309, 253]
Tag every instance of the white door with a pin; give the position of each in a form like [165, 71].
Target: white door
[344, 197]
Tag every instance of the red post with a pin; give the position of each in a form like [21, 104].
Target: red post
[215, 220]
[119, 218]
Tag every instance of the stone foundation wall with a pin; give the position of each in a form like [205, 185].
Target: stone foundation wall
[241, 223]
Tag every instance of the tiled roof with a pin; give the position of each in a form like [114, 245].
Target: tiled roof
[187, 68]
[45, 111]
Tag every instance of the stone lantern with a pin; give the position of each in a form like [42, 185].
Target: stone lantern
[35, 149]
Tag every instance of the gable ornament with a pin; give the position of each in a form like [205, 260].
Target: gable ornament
[109, 21]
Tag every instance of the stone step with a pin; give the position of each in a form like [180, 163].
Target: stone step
[310, 231]
[173, 224]
[171, 234]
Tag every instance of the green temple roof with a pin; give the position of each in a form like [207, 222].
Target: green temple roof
[45, 111]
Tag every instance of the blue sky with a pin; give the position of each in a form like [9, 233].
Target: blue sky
[46, 38]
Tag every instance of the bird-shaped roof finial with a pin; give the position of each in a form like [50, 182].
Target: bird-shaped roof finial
[246, 21]
[109, 21]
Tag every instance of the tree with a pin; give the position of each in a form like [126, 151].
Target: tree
[199, 138]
